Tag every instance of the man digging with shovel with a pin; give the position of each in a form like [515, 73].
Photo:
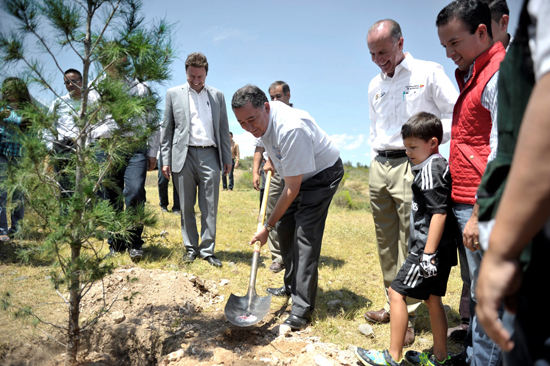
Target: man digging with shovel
[310, 163]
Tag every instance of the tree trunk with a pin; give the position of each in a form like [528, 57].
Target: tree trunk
[74, 311]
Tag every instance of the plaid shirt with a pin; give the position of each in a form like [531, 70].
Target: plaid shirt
[7, 146]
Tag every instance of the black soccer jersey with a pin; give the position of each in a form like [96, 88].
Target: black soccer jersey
[431, 189]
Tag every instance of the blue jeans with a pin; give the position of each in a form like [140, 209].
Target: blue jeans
[163, 190]
[127, 181]
[479, 348]
[17, 198]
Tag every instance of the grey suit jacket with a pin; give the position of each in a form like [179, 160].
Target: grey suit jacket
[175, 131]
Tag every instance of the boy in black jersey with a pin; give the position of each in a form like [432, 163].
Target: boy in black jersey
[432, 247]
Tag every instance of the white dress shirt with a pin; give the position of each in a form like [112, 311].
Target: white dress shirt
[200, 115]
[104, 130]
[67, 109]
[416, 86]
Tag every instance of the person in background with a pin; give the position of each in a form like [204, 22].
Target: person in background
[163, 190]
[464, 30]
[67, 108]
[404, 87]
[235, 157]
[514, 199]
[14, 97]
[195, 146]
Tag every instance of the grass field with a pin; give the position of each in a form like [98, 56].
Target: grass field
[349, 268]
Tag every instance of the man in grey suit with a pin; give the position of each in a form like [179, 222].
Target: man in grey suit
[195, 147]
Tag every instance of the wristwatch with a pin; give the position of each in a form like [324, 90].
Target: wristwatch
[268, 227]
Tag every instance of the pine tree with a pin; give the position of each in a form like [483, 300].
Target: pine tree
[110, 37]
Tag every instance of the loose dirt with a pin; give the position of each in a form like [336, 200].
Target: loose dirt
[175, 318]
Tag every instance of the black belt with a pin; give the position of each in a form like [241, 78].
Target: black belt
[203, 147]
[392, 154]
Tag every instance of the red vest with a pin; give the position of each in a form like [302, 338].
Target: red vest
[471, 127]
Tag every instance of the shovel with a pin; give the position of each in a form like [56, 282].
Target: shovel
[244, 311]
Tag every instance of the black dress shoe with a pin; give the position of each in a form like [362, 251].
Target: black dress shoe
[279, 291]
[135, 254]
[213, 261]
[296, 322]
[189, 257]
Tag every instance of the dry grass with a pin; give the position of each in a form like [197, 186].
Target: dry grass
[349, 264]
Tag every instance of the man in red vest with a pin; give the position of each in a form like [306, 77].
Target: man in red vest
[464, 30]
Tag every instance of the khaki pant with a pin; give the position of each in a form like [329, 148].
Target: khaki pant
[391, 195]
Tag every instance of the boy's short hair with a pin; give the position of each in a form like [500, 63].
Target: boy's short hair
[423, 125]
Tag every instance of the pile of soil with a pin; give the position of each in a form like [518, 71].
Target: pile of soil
[156, 317]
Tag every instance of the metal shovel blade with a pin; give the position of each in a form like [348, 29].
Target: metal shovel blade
[244, 311]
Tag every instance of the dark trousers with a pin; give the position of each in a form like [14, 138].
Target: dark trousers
[163, 190]
[17, 198]
[126, 186]
[224, 178]
[301, 234]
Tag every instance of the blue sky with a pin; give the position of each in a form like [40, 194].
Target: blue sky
[318, 47]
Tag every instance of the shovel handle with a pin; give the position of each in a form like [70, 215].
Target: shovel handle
[257, 245]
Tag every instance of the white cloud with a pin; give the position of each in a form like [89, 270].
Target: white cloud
[223, 33]
[348, 142]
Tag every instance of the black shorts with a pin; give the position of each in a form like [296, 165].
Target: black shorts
[410, 283]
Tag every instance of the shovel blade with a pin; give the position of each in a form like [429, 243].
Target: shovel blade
[240, 313]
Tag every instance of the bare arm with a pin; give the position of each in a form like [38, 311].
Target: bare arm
[290, 191]
[256, 162]
[523, 210]
[437, 225]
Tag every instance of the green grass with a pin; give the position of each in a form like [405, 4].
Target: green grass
[349, 268]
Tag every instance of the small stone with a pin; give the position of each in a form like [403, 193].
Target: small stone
[118, 317]
[189, 334]
[367, 330]
[224, 282]
[21, 278]
[321, 361]
[284, 330]
[175, 356]
[310, 348]
[338, 294]
[334, 304]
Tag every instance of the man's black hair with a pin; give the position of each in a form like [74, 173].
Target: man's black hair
[74, 72]
[424, 126]
[286, 88]
[248, 93]
[498, 9]
[471, 12]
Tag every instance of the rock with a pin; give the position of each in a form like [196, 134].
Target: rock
[174, 356]
[224, 282]
[189, 334]
[334, 304]
[322, 361]
[222, 355]
[118, 317]
[284, 330]
[310, 348]
[367, 330]
[21, 278]
[338, 294]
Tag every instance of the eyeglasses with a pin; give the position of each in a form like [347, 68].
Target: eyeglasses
[73, 82]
